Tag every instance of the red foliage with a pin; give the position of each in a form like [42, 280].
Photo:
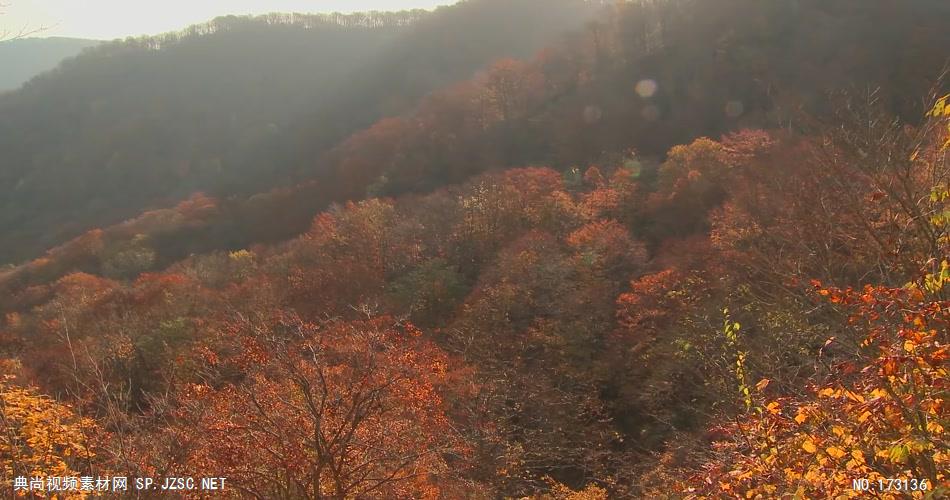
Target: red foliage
[649, 304]
[339, 409]
[607, 246]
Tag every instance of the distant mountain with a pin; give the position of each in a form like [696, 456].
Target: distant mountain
[25, 58]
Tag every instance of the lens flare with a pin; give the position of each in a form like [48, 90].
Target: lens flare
[734, 109]
[593, 114]
[646, 88]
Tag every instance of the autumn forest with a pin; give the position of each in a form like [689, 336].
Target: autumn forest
[526, 249]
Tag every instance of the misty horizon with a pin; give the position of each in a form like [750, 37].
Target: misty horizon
[105, 20]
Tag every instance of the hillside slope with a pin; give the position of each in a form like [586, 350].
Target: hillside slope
[641, 80]
[224, 107]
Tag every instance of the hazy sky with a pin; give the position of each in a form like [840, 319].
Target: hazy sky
[108, 19]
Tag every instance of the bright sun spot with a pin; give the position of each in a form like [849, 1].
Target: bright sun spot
[646, 88]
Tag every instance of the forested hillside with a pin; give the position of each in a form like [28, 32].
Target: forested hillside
[24, 59]
[229, 107]
[692, 249]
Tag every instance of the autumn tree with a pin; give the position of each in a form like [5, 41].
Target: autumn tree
[332, 410]
[508, 90]
[879, 418]
[607, 247]
[346, 258]
[872, 410]
[689, 183]
[42, 437]
[532, 329]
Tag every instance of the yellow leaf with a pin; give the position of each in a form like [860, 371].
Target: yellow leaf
[801, 416]
[835, 452]
[909, 345]
[773, 408]
[864, 416]
[827, 392]
[858, 456]
[854, 396]
[898, 454]
[809, 446]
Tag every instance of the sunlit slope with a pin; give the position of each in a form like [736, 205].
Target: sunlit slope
[233, 106]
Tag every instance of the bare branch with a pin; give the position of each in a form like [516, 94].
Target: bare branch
[24, 31]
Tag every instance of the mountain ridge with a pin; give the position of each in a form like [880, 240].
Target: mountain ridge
[163, 130]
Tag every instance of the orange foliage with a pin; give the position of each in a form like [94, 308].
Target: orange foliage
[41, 437]
[882, 418]
[343, 410]
[607, 246]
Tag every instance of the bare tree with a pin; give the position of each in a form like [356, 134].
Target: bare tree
[22, 32]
